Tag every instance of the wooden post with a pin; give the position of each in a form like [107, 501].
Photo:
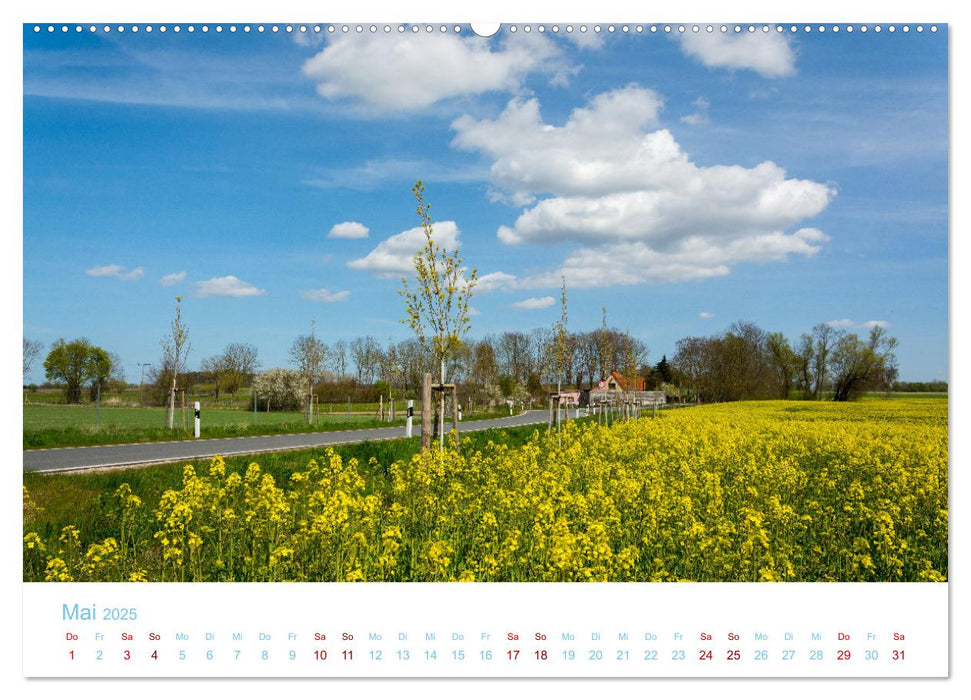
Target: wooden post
[455, 417]
[426, 412]
[438, 418]
[381, 407]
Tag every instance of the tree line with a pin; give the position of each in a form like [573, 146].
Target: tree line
[746, 362]
[743, 362]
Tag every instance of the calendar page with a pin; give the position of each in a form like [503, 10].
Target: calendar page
[400, 346]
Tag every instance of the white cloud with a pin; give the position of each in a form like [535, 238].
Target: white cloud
[847, 323]
[116, 271]
[534, 303]
[588, 39]
[767, 53]
[229, 286]
[375, 173]
[474, 311]
[325, 295]
[160, 73]
[590, 154]
[643, 211]
[408, 73]
[348, 229]
[494, 280]
[172, 279]
[706, 314]
[394, 256]
[700, 115]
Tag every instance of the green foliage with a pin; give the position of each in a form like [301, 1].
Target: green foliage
[663, 370]
[858, 366]
[437, 309]
[75, 364]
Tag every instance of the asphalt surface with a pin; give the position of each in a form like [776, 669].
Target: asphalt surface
[66, 459]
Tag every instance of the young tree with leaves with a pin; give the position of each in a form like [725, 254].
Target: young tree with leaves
[437, 307]
[561, 340]
[605, 346]
[560, 347]
[175, 352]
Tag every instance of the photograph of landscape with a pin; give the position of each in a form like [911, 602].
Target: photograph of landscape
[406, 303]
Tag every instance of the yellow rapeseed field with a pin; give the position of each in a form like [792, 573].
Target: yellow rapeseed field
[756, 491]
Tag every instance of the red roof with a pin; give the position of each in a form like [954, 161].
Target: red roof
[639, 382]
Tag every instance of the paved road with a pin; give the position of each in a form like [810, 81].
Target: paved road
[74, 458]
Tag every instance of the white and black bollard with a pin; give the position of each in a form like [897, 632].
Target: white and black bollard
[198, 420]
[408, 420]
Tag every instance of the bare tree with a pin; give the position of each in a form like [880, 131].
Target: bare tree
[633, 352]
[366, 354]
[606, 347]
[690, 360]
[824, 337]
[390, 367]
[587, 360]
[513, 355]
[32, 350]
[437, 309]
[784, 360]
[240, 362]
[485, 368]
[338, 358]
[413, 363]
[540, 360]
[232, 368]
[214, 370]
[175, 352]
[806, 355]
[309, 354]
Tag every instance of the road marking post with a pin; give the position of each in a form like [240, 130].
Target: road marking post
[198, 419]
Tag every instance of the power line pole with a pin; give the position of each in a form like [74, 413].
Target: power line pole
[141, 381]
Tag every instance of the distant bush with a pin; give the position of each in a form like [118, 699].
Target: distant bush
[936, 386]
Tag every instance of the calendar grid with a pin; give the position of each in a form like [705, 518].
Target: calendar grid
[486, 630]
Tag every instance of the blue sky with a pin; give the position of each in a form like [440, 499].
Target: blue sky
[682, 181]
